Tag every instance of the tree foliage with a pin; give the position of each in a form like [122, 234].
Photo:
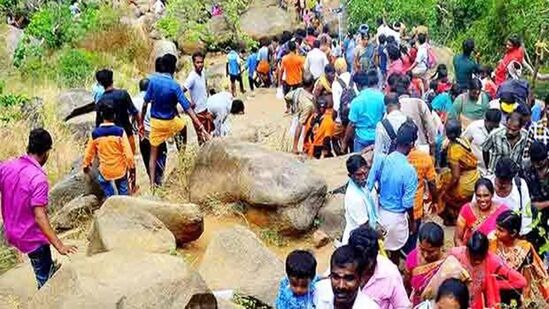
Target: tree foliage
[189, 19]
[488, 22]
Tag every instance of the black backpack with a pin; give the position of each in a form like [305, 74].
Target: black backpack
[347, 96]
[391, 131]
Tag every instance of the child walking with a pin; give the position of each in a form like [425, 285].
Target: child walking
[111, 145]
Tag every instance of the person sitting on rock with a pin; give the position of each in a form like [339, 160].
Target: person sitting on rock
[297, 288]
[24, 192]
[342, 289]
[110, 144]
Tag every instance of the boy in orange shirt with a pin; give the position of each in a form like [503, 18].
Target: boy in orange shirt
[110, 144]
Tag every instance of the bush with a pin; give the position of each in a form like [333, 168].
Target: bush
[75, 67]
[53, 24]
[10, 107]
[450, 22]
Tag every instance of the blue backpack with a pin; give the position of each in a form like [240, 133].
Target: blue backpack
[234, 66]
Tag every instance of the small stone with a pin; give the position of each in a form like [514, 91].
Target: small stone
[320, 239]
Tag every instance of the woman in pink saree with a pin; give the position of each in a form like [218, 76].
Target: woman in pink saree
[479, 215]
[426, 266]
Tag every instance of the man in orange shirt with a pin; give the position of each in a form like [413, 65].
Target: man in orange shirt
[291, 67]
[110, 143]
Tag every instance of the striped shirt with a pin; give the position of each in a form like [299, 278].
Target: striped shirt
[110, 144]
[539, 131]
[498, 146]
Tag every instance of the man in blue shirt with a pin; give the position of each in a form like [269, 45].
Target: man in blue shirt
[164, 93]
[366, 111]
[397, 183]
[251, 64]
[234, 71]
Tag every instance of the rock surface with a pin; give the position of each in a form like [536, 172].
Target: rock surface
[188, 45]
[220, 30]
[261, 22]
[74, 185]
[332, 216]
[123, 280]
[74, 102]
[160, 48]
[122, 228]
[185, 221]
[75, 212]
[82, 126]
[236, 259]
[274, 182]
[13, 36]
[32, 112]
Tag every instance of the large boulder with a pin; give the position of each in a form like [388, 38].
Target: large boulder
[82, 126]
[76, 212]
[127, 229]
[190, 44]
[220, 30]
[124, 280]
[185, 221]
[261, 22]
[332, 216]
[276, 183]
[17, 287]
[236, 259]
[74, 102]
[160, 48]
[74, 185]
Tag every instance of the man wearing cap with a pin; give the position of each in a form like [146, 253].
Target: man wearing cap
[509, 141]
[506, 103]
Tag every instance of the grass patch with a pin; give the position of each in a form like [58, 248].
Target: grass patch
[8, 255]
[249, 302]
[272, 238]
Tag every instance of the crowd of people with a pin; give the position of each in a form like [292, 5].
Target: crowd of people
[472, 150]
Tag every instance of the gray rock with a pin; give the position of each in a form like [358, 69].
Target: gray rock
[185, 221]
[127, 229]
[283, 188]
[13, 36]
[332, 216]
[76, 212]
[236, 259]
[125, 280]
[160, 48]
[82, 126]
[74, 185]
[74, 102]
[266, 22]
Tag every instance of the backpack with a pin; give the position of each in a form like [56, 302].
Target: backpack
[234, 66]
[431, 58]
[391, 131]
[347, 96]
